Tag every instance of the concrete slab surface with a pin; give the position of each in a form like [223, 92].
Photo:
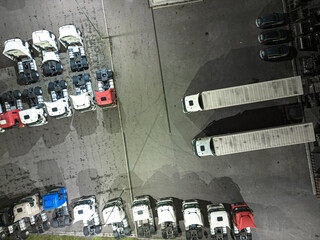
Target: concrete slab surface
[200, 46]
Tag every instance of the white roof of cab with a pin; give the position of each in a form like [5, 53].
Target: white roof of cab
[166, 214]
[16, 49]
[192, 216]
[30, 116]
[191, 103]
[81, 101]
[43, 39]
[57, 108]
[140, 212]
[70, 34]
[113, 214]
[50, 56]
[25, 210]
[202, 146]
[219, 219]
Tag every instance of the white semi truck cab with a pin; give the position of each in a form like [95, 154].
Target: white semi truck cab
[192, 219]
[114, 214]
[19, 51]
[167, 218]
[45, 42]
[219, 221]
[143, 216]
[83, 100]
[60, 107]
[70, 38]
[29, 209]
[36, 115]
[86, 210]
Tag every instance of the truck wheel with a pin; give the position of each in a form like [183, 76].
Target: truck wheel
[3, 236]
[4, 97]
[37, 91]
[85, 63]
[97, 229]
[86, 77]
[73, 65]
[34, 76]
[127, 231]
[86, 231]
[54, 223]
[188, 235]
[46, 70]
[17, 94]
[140, 232]
[59, 68]
[176, 232]
[152, 229]
[98, 74]
[66, 220]
[164, 234]
[34, 229]
[25, 93]
[24, 234]
[75, 80]
[51, 86]
[46, 225]
[116, 235]
[200, 234]
[63, 84]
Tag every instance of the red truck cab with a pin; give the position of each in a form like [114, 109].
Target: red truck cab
[10, 119]
[242, 218]
[106, 99]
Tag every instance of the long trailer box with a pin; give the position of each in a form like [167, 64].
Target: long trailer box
[244, 94]
[254, 140]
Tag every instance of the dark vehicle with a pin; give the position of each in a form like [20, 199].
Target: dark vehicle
[270, 20]
[275, 52]
[273, 36]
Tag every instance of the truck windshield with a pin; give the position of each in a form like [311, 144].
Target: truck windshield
[84, 202]
[138, 203]
[166, 203]
[195, 205]
[215, 209]
[241, 209]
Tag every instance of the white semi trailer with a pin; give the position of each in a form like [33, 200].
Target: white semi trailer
[254, 140]
[244, 94]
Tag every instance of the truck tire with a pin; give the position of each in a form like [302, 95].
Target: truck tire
[46, 70]
[86, 231]
[67, 221]
[3, 236]
[116, 235]
[176, 232]
[75, 80]
[86, 77]
[59, 68]
[73, 65]
[4, 97]
[98, 74]
[16, 94]
[63, 84]
[24, 234]
[34, 229]
[37, 91]
[50, 86]
[164, 234]
[46, 225]
[85, 63]
[34, 76]
[140, 232]
[97, 229]
[200, 234]
[188, 235]
[152, 229]
[127, 231]
[54, 223]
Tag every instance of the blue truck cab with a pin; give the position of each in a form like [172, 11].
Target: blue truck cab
[56, 198]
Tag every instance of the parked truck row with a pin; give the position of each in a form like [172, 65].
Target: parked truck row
[12, 112]
[30, 214]
[231, 143]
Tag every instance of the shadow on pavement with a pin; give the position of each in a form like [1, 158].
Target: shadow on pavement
[111, 120]
[49, 174]
[255, 119]
[85, 123]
